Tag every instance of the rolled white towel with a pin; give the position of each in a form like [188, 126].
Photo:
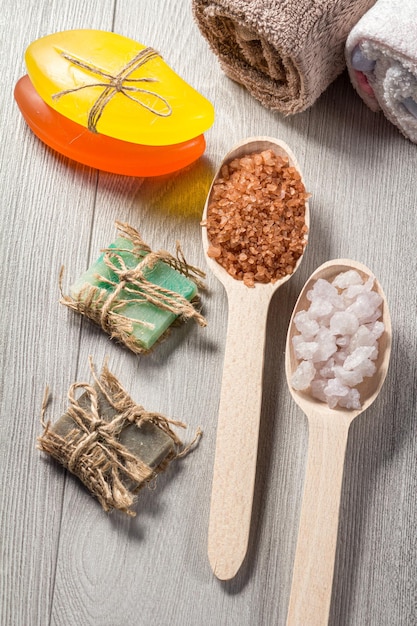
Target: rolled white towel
[381, 56]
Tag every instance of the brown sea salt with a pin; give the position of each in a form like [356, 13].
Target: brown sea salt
[256, 218]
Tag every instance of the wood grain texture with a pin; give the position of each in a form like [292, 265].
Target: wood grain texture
[63, 562]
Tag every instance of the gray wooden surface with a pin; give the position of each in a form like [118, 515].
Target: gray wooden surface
[64, 561]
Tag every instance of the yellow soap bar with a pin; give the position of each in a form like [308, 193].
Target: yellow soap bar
[116, 86]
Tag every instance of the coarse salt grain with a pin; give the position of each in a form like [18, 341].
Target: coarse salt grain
[338, 341]
[303, 375]
[256, 218]
[343, 323]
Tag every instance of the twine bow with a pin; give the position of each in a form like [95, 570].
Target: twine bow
[118, 84]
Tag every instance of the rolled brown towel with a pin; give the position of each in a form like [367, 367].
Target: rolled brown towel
[285, 52]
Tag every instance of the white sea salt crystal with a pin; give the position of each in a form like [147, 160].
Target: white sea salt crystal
[303, 375]
[367, 335]
[335, 387]
[344, 323]
[338, 394]
[340, 357]
[296, 340]
[365, 306]
[354, 291]
[372, 318]
[326, 345]
[362, 337]
[369, 284]
[320, 308]
[367, 368]
[345, 279]
[317, 389]
[305, 350]
[334, 390]
[306, 326]
[323, 289]
[327, 370]
[359, 356]
[339, 336]
[377, 328]
[348, 377]
[351, 400]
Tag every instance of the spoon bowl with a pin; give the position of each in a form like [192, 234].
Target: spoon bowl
[328, 433]
[249, 146]
[371, 386]
[241, 394]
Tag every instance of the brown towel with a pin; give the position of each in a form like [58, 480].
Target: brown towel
[285, 52]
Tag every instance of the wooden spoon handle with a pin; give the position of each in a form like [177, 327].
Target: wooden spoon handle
[237, 433]
[316, 546]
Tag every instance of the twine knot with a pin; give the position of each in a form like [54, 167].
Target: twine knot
[96, 426]
[118, 84]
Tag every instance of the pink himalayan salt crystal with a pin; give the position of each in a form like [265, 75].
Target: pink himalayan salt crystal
[256, 218]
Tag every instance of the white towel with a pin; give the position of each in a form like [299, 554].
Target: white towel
[381, 56]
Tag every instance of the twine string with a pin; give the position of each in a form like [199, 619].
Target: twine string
[117, 84]
[104, 306]
[92, 449]
[134, 282]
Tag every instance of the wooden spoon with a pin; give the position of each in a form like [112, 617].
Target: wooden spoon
[328, 432]
[241, 395]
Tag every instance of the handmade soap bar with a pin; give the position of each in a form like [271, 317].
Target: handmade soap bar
[97, 150]
[136, 294]
[112, 444]
[116, 86]
[147, 442]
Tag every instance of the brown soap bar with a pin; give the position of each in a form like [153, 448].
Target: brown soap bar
[149, 443]
[111, 444]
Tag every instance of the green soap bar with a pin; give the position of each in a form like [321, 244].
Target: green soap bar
[148, 443]
[157, 320]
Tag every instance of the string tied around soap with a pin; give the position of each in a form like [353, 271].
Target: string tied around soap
[103, 306]
[117, 84]
[92, 451]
